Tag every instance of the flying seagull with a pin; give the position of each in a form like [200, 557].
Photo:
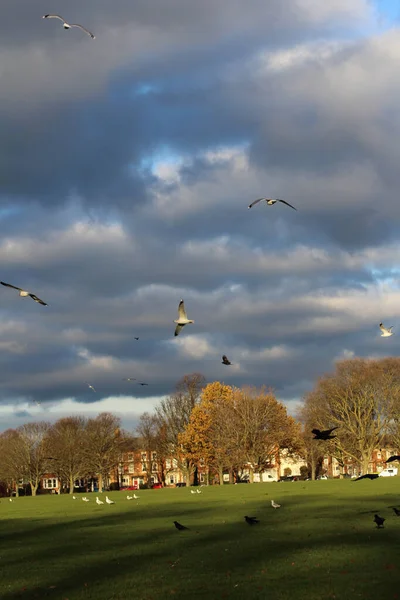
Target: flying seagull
[24, 293]
[251, 520]
[182, 319]
[367, 476]
[135, 338]
[129, 379]
[142, 383]
[275, 505]
[179, 526]
[379, 521]
[69, 25]
[225, 360]
[393, 458]
[323, 435]
[90, 387]
[386, 331]
[270, 202]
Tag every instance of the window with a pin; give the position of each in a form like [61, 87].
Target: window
[125, 481]
[168, 463]
[131, 468]
[379, 455]
[49, 483]
[154, 467]
[202, 477]
[130, 456]
[144, 456]
[154, 456]
[171, 479]
[144, 468]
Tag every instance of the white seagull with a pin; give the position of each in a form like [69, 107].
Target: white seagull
[386, 331]
[192, 491]
[198, 491]
[91, 387]
[109, 501]
[129, 379]
[84, 499]
[136, 497]
[129, 497]
[270, 202]
[73, 497]
[275, 505]
[182, 319]
[24, 293]
[69, 25]
[98, 501]
[10, 499]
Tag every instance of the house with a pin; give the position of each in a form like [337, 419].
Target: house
[333, 468]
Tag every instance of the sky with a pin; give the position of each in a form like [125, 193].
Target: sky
[127, 164]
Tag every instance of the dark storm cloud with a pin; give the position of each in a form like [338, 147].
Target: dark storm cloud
[258, 99]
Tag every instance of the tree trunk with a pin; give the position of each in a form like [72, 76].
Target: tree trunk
[251, 478]
[33, 488]
[231, 476]
[100, 480]
[313, 468]
[16, 489]
[71, 484]
[221, 475]
[365, 463]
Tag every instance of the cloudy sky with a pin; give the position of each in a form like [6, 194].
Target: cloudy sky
[126, 167]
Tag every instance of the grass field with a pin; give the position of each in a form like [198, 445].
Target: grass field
[321, 544]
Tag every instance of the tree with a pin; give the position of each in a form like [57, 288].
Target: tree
[173, 415]
[12, 469]
[29, 449]
[147, 432]
[103, 447]
[359, 398]
[264, 427]
[66, 445]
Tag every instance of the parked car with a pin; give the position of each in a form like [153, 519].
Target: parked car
[182, 484]
[156, 486]
[129, 488]
[322, 477]
[289, 478]
[392, 472]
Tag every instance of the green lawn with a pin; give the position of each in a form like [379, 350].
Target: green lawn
[321, 544]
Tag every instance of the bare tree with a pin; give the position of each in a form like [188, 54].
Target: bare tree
[173, 415]
[360, 399]
[103, 447]
[147, 432]
[12, 469]
[67, 447]
[29, 448]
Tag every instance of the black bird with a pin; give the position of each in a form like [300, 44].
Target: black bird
[179, 526]
[396, 511]
[141, 383]
[393, 458]
[251, 520]
[367, 476]
[135, 338]
[323, 435]
[379, 521]
[225, 360]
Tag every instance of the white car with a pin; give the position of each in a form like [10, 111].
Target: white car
[322, 477]
[388, 472]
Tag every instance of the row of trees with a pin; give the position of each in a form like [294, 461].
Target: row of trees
[221, 428]
[72, 448]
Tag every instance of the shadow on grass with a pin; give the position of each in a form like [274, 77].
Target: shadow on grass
[293, 553]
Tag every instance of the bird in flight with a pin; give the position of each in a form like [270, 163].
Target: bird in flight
[396, 511]
[270, 202]
[142, 383]
[386, 331]
[182, 319]
[367, 476]
[90, 387]
[225, 360]
[393, 458]
[379, 521]
[179, 526]
[129, 379]
[275, 505]
[135, 338]
[323, 435]
[69, 25]
[24, 293]
[251, 520]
